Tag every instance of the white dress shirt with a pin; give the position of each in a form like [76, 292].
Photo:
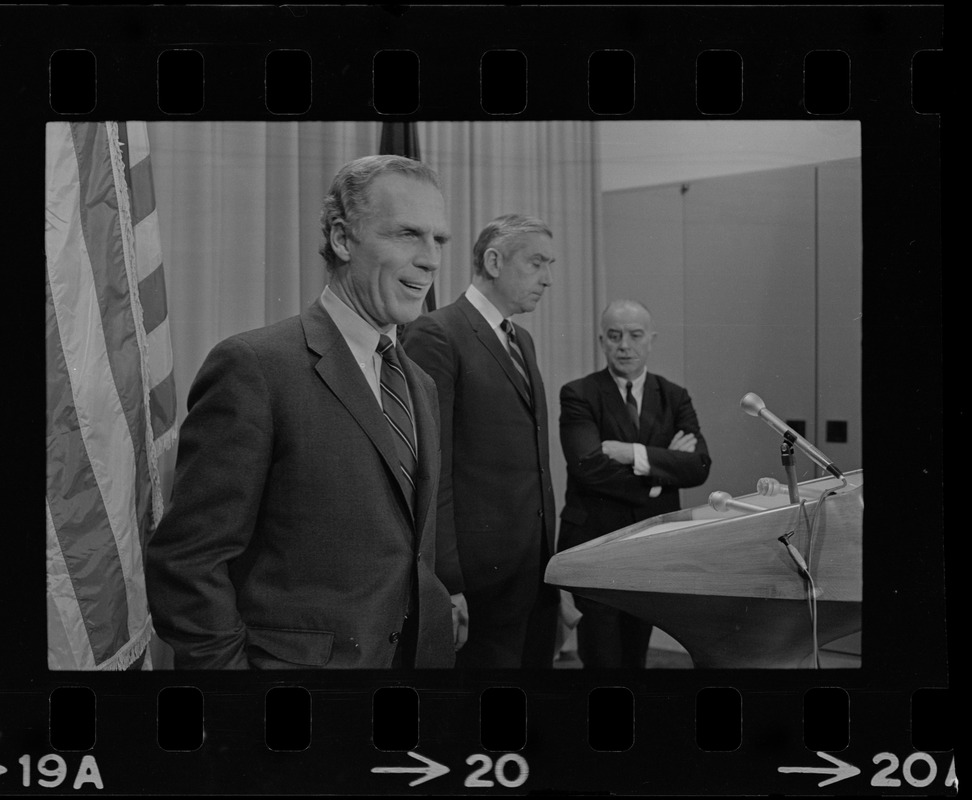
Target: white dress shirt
[490, 312]
[362, 338]
[641, 465]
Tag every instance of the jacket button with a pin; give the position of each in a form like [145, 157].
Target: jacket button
[394, 637]
[418, 557]
[540, 513]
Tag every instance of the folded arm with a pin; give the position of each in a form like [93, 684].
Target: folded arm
[685, 461]
[609, 467]
[587, 461]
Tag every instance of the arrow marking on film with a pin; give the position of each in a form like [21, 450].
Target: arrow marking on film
[840, 771]
[432, 769]
[3, 769]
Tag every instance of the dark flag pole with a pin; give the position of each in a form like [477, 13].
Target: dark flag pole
[401, 139]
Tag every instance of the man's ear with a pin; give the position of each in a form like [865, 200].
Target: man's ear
[492, 260]
[340, 240]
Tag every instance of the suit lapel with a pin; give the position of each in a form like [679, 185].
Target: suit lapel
[615, 405]
[487, 337]
[342, 375]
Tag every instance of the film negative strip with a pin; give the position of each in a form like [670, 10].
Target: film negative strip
[783, 165]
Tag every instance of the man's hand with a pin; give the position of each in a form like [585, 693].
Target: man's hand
[460, 620]
[622, 452]
[684, 442]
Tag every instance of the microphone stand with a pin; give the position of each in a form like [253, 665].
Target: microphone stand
[789, 467]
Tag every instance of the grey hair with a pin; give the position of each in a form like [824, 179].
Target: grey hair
[500, 232]
[347, 200]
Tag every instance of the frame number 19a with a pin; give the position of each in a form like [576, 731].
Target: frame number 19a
[53, 770]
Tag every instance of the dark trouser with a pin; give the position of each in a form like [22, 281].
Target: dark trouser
[541, 636]
[502, 641]
[513, 623]
[610, 639]
[496, 636]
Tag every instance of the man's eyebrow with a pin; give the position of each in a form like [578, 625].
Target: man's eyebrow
[408, 227]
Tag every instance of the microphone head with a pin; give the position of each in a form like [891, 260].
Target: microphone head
[768, 486]
[752, 404]
[720, 500]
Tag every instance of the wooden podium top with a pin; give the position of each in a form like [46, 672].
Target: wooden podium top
[701, 551]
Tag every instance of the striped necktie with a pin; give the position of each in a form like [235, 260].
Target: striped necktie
[394, 403]
[632, 405]
[517, 355]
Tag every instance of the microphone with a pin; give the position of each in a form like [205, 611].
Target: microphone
[722, 501]
[769, 487]
[753, 405]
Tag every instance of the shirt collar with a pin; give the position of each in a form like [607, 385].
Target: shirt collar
[637, 384]
[361, 337]
[484, 307]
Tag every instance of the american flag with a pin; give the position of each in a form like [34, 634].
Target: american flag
[111, 406]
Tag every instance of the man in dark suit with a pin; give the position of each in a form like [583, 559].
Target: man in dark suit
[496, 505]
[631, 439]
[301, 531]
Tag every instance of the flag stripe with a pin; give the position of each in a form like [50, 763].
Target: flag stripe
[143, 190]
[77, 507]
[162, 401]
[158, 356]
[68, 646]
[103, 243]
[151, 291]
[148, 246]
[135, 136]
[151, 287]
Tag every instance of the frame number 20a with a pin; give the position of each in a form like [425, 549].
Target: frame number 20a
[918, 770]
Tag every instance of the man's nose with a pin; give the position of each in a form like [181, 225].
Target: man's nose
[428, 255]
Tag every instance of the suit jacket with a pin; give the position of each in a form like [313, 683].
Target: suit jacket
[496, 498]
[289, 534]
[603, 495]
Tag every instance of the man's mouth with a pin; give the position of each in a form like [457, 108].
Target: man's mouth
[415, 286]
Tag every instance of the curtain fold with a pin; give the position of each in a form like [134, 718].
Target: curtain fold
[239, 207]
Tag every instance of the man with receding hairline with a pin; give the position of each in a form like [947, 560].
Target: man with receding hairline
[301, 532]
[496, 504]
[631, 440]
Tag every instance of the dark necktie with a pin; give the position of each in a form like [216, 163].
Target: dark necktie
[394, 403]
[517, 355]
[632, 405]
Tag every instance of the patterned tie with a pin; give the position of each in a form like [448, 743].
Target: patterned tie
[394, 402]
[517, 355]
[632, 405]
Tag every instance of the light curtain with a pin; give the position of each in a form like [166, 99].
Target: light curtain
[239, 206]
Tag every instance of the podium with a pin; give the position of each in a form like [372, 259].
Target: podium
[723, 585]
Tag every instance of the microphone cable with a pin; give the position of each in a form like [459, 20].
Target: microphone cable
[802, 565]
